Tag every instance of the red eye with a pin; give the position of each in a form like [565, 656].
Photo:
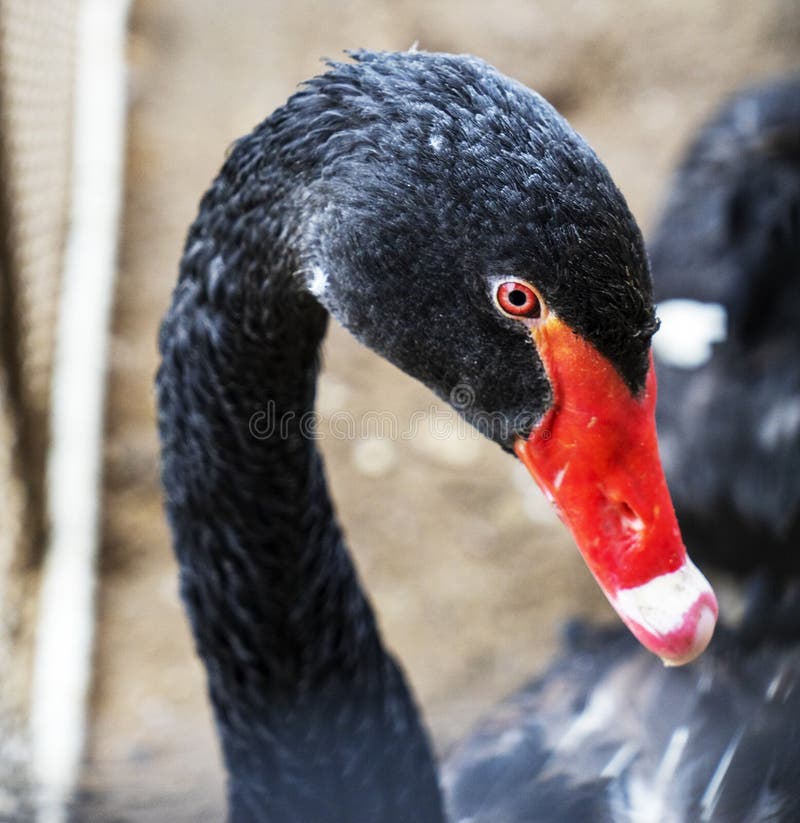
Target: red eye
[518, 299]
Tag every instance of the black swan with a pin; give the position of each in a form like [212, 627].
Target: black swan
[726, 263]
[606, 734]
[453, 222]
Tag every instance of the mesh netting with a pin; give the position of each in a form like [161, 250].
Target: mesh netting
[36, 73]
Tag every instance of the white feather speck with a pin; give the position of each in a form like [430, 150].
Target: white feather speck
[318, 283]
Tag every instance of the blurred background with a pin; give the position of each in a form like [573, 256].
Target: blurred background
[471, 575]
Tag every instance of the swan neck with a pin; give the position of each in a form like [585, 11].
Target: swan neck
[313, 713]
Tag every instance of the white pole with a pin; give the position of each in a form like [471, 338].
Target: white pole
[63, 655]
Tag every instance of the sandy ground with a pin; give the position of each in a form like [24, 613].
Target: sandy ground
[470, 574]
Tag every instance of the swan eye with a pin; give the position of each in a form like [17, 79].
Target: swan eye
[519, 300]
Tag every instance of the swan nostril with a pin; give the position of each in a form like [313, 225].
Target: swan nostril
[630, 520]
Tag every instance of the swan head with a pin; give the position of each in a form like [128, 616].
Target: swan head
[456, 224]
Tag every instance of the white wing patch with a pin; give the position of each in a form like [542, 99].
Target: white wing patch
[688, 331]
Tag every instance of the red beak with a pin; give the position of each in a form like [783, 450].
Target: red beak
[595, 456]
